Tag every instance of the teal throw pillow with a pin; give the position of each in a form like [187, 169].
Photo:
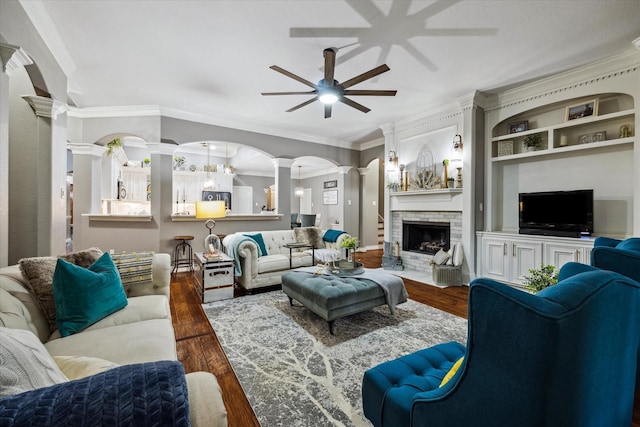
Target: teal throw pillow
[84, 296]
[260, 242]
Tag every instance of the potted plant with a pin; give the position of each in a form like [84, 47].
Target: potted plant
[531, 142]
[112, 145]
[147, 161]
[179, 162]
[541, 278]
[350, 244]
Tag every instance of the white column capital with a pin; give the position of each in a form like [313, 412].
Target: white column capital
[13, 57]
[343, 170]
[363, 171]
[280, 162]
[91, 149]
[45, 107]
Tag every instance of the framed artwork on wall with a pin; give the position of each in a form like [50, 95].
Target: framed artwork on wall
[330, 197]
[331, 184]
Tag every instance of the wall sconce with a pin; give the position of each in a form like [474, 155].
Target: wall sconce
[393, 159]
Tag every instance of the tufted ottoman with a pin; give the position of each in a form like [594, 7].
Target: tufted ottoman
[332, 297]
[389, 389]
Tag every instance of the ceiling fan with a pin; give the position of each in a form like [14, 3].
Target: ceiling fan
[329, 91]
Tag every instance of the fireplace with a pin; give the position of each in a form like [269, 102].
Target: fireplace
[425, 237]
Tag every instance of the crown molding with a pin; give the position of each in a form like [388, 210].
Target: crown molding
[44, 25]
[596, 72]
[114, 111]
[253, 127]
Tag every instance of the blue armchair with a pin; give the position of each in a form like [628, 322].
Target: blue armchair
[621, 256]
[563, 357]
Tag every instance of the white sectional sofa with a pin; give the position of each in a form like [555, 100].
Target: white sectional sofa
[256, 270]
[140, 332]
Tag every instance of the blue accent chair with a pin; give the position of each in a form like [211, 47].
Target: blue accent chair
[307, 220]
[563, 357]
[621, 256]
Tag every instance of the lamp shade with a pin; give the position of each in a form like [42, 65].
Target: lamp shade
[210, 209]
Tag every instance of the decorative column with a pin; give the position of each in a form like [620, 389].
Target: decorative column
[283, 187]
[11, 58]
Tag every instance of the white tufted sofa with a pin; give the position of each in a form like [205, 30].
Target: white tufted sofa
[267, 270]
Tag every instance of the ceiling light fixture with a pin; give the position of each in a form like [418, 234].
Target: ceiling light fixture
[328, 96]
[299, 189]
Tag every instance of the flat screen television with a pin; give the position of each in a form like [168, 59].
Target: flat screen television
[556, 213]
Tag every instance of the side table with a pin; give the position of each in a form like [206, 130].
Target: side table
[213, 278]
[295, 245]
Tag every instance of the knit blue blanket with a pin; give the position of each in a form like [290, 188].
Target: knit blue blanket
[145, 394]
[332, 235]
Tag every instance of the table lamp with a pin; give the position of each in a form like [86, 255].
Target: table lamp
[209, 210]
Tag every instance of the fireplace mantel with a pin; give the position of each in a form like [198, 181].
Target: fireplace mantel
[447, 199]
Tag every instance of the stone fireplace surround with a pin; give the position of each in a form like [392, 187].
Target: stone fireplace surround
[413, 260]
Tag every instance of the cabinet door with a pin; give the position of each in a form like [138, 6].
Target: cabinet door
[558, 254]
[494, 259]
[524, 257]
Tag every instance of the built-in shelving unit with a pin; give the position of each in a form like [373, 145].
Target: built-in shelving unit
[595, 152]
[608, 123]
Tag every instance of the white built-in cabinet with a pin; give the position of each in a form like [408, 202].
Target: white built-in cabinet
[137, 182]
[509, 257]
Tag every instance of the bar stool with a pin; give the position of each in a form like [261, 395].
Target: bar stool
[186, 258]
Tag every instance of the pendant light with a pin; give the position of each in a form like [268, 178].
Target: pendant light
[299, 189]
[209, 184]
[228, 169]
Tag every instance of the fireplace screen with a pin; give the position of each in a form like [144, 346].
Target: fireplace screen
[425, 237]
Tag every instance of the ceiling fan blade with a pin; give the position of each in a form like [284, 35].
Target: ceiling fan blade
[302, 105]
[327, 111]
[293, 76]
[354, 104]
[366, 76]
[329, 67]
[357, 92]
[311, 92]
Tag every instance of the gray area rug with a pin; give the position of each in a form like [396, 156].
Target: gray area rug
[295, 373]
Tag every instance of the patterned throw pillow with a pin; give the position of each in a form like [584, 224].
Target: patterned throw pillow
[39, 274]
[26, 364]
[134, 267]
[441, 257]
[309, 235]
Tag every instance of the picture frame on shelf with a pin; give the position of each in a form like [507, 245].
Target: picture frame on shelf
[505, 148]
[330, 197]
[592, 137]
[583, 109]
[520, 126]
[331, 184]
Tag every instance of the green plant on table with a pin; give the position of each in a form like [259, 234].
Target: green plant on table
[349, 242]
[541, 278]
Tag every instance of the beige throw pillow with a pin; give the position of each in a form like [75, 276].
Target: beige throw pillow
[76, 367]
[441, 257]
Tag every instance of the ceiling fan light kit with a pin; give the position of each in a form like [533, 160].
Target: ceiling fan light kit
[329, 91]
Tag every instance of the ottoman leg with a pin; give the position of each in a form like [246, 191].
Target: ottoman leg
[331, 326]
[291, 301]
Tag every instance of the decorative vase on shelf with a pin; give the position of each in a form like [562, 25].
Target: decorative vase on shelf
[531, 148]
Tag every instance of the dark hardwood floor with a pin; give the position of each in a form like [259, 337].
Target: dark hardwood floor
[200, 350]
